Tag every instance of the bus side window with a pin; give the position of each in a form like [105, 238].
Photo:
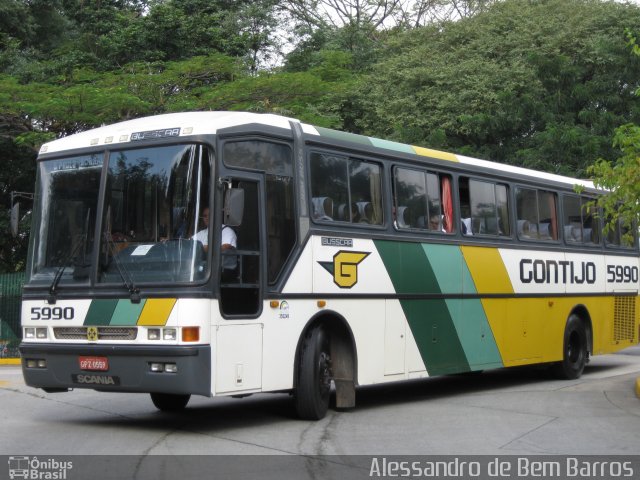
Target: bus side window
[618, 235]
[484, 208]
[410, 192]
[345, 189]
[579, 222]
[423, 200]
[536, 213]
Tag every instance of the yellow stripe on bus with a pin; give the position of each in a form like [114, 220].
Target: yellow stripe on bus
[156, 311]
[428, 152]
[531, 330]
[487, 270]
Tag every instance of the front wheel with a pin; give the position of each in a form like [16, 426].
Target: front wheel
[575, 350]
[170, 402]
[314, 376]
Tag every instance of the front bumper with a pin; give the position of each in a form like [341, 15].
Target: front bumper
[128, 368]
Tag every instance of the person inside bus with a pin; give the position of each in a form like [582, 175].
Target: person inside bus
[435, 223]
[229, 238]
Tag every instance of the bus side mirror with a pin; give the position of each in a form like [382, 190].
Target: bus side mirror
[233, 207]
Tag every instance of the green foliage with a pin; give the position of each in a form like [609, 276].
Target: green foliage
[541, 84]
[17, 174]
[622, 176]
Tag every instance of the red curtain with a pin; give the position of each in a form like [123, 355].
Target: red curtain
[447, 205]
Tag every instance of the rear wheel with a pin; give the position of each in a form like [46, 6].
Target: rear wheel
[170, 402]
[314, 376]
[575, 350]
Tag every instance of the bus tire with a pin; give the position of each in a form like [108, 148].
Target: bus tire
[170, 402]
[574, 351]
[314, 376]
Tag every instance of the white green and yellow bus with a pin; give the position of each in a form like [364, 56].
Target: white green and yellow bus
[352, 261]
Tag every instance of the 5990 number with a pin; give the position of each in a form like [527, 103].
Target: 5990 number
[622, 274]
[52, 313]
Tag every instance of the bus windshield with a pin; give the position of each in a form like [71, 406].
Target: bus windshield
[154, 201]
[65, 217]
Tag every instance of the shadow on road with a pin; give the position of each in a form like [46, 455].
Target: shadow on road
[220, 414]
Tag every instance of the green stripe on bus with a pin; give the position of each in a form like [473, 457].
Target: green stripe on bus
[468, 315]
[430, 320]
[127, 313]
[475, 334]
[100, 312]
[446, 262]
[408, 267]
[344, 136]
[436, 336]
[389, 145]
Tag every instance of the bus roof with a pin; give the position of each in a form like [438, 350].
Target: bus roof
[203, 123]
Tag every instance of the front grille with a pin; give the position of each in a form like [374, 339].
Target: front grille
[624, 315]
[104, 333]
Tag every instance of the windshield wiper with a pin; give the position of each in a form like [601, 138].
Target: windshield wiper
[80, 267]
[53, 288]
[134, 291]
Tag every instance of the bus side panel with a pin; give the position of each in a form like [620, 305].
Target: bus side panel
[452, 332]
[530, 329]
[283, 326]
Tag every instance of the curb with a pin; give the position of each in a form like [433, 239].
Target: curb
[638, 387]
[9, 361]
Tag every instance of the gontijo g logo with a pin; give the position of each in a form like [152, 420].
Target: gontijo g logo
[344, 267]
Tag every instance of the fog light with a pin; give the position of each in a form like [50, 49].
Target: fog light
[170, 368]
[157, 367]
[153, 334]
[191, 334]
[31, 363]
[41, 332]
[29, 333]
[169, 334]
[42, 364]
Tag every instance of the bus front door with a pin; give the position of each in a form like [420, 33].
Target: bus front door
[239, 337]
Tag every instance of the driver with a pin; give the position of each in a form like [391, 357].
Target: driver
[229, 238]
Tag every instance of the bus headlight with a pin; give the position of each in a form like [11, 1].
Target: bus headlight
[169, 334]
[42, 333]
[170, 368]
[156, 367]
[153, 334]
[29, 332]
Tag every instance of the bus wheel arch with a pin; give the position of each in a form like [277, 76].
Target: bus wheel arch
[331, 329]
[577, 343]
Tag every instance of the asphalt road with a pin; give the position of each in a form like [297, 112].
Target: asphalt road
[504, 412]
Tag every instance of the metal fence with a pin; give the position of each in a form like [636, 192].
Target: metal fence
[10, 300]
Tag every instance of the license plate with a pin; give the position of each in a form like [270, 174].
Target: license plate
[94, 364]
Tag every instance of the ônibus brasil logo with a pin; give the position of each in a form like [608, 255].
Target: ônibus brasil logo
[38, 469]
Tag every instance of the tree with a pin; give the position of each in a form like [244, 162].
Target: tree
[17, 174]
[539, 84]
[621, 178]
